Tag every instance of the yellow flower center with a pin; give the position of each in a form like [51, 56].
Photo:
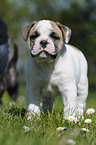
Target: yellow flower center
[60, 129]
[88, 120]
[71, 118]
[90, 111]
[26, 127]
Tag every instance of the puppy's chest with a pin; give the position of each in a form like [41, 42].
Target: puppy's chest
[49, 85]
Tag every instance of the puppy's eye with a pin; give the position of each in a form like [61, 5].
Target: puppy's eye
[34, 36]
[54, 36]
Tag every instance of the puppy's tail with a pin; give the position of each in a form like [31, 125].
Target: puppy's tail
[15, 54]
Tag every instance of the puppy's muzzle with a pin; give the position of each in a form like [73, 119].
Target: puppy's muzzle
[47, 56]
[44, 50]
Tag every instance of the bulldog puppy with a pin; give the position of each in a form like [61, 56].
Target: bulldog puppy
[54, 68]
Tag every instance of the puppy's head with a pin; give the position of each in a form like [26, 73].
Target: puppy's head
[45, 39]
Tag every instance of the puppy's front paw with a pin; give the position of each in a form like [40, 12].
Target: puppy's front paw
[33, 110]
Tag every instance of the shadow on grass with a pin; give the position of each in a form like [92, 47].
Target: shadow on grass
[15, 111]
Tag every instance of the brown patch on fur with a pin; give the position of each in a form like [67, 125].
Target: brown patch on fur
[26, 30]
[32, 30]
[58, 43]
[55, 27]
[65, 31]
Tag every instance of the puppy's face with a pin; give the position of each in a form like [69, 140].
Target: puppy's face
[45, 39]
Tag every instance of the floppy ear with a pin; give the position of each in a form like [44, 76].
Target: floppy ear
[66, 31]
[26, 30]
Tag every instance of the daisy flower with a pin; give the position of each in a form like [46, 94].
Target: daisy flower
[88, 121]
[90, 111]
[61, 128]
[26, 128]
[70, 141]
[72, 118]
[85, 129]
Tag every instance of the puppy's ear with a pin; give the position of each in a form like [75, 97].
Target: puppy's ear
[26, 30]
[66, 31]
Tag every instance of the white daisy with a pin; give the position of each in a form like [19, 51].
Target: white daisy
[88, 121]
[26, 128]
[70, 141]
[61, 128]
[90, 111]
[72, 118]
[85, 129]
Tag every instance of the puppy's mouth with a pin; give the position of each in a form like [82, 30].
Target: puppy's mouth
[43, 55]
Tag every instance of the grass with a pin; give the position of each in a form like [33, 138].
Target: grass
[44, 132]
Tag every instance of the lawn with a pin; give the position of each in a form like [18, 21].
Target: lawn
[44, 131]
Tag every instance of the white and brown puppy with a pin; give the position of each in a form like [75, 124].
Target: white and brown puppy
[54, 68]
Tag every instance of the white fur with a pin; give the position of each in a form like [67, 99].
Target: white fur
[66, 76]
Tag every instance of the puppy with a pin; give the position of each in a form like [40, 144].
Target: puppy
[54, 68]
[10, 80]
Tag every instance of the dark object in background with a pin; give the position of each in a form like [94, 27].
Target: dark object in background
[3, 32]
[4, 47]
[3, 58]
[10, 81]
[8, 74]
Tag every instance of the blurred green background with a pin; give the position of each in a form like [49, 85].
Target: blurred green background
[79, 15]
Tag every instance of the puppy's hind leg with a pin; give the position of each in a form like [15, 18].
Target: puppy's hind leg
[47, 104]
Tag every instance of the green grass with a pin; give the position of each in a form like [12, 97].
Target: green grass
[44, 132]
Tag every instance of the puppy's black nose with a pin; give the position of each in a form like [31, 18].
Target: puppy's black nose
[43, 43]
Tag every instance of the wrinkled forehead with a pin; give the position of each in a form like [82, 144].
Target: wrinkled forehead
[44, 26]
